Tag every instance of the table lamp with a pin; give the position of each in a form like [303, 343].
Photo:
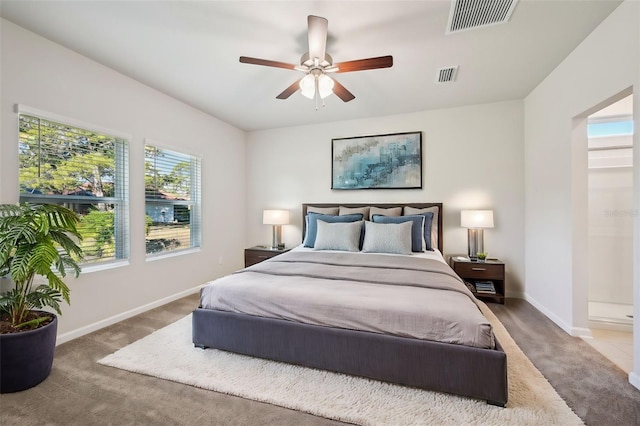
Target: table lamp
[476, 221]
[277, 218]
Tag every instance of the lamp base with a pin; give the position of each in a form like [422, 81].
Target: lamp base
[475, 238]
[277, 244]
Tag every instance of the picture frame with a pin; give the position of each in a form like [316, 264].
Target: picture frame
[389, 161]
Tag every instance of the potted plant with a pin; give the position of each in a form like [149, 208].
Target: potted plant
[482, 257]
[35, 240]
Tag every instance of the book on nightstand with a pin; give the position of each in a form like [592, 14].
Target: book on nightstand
[485, 287]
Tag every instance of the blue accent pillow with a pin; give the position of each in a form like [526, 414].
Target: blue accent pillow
[428, 223]
[312, 224]
[417, 228]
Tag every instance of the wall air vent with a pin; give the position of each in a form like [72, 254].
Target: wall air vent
[446, 75]
[470, 14]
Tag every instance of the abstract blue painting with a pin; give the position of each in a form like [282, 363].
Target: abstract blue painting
[391, 161]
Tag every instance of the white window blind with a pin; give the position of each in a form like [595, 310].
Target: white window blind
[172, 200]
[84, 170]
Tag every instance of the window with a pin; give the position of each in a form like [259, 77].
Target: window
[84, 170]
[610, 126]
[610, 140]
[172, 200]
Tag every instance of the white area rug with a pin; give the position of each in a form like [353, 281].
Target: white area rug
[169, 354]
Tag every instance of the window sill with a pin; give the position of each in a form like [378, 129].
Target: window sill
[104, 266]
[154, 257]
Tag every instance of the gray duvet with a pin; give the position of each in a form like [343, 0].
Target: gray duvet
[406, 296]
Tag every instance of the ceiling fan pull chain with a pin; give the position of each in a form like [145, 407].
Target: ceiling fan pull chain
[317, 94]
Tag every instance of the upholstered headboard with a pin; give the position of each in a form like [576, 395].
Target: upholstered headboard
[380, 205]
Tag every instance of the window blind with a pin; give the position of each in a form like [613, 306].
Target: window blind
[83, 170]
[172, 200]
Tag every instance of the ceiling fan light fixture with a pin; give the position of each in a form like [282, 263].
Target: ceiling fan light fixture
[323, 83]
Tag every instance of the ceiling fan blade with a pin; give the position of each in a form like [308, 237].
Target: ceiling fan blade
[365, 64]
[342, 92]
[289, 90]
[266, 63]
[317, 37]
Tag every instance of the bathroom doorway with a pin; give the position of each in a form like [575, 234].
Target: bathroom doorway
[610, 216]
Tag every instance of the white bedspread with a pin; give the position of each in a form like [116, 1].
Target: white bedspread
[410, 296]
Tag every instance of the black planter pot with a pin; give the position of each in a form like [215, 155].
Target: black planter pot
[26, 358]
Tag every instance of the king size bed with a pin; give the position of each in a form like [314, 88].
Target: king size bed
[357, 298]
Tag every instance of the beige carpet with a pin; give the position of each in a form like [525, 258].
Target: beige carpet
[169, 354]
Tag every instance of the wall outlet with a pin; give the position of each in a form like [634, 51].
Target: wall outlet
[220, 260]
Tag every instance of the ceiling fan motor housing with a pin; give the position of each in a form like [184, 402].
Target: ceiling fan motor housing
[308, 61]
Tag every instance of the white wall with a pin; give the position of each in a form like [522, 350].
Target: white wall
[472, 158]
[43, 75]
[604, 65]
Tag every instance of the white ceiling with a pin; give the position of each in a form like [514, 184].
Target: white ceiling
[190, 50]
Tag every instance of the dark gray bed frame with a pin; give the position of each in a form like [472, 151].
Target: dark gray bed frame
[457, 369]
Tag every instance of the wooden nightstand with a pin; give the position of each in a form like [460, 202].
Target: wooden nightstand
[257, 254]
[474, 272]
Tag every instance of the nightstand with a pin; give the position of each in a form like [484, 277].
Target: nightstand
[257, 254]
[475, 272]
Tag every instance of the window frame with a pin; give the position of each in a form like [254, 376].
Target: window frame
[122, 232]
[195, 225]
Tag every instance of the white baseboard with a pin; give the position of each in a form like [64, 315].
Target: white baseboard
[74, 334]
[581, 332]
[634, 379]
[573, 331]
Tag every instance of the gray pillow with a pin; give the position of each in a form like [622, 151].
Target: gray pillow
[434, 223]
[387, 238]
[391, 211]
[417, 227]
[364, 211]
[323, 210]
[338, 236]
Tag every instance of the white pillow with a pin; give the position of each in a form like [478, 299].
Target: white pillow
[338, 236]
[387, 238]
[391, 211]
[364, 211]
[323, 210]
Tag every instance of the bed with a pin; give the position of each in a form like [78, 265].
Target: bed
[299, 308]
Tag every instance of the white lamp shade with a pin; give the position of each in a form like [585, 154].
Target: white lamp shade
[325, 85]
[476, 219]
[275, 217]
[308, 86]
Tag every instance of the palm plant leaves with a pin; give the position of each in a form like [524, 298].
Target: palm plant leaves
[58, 285]
[37, 239]
[42, 296]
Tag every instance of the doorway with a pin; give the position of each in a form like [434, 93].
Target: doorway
[610, 214]
[610, 231]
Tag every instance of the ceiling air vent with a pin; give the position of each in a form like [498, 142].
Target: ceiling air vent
[469, 14]
[446, 75]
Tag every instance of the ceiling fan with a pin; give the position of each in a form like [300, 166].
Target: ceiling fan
[317, 63]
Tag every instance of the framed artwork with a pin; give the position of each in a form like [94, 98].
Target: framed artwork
[391, 161]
